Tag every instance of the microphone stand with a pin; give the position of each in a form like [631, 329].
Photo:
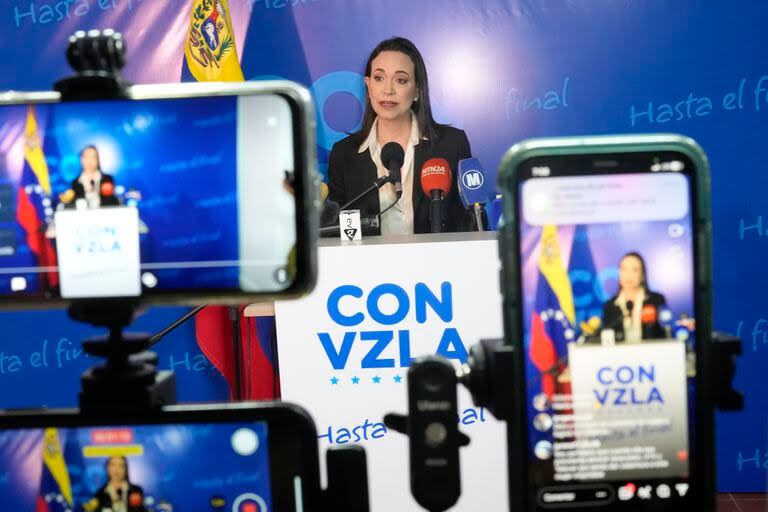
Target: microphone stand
[374, 186]
[436, 211]
[479, 216]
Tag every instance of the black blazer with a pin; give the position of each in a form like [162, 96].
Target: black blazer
[105, 200]
[612, 317]
[350, 172]
[102, 500]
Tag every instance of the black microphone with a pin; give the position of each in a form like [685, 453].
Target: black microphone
[630, 306]
[393, 156]
[329, 213]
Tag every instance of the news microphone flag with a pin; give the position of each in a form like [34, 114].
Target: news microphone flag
[436, 175]
[472, 183]
[34, 190]
[553, 313]
[210, 52]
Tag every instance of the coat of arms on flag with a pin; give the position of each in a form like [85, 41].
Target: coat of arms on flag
[210, 49]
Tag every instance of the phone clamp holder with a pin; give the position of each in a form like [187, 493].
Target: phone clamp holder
[97, 58]
[433, 433]
[129, 378]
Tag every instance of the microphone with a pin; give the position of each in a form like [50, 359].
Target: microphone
[67, 196]
[436, 183]
[107, 189]
[616, 323]
[649, 317]
[329, 213]
[393, 156]
[474, 191]
[134, 499]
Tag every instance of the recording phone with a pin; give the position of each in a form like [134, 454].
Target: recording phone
[256, 458]
[171, 193]
[610, 316]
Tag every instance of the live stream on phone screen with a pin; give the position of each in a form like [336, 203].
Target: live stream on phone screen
[222, 466]
[124, 197]
[607, 267]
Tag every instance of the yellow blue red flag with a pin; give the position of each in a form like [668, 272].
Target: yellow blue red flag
[553, 313]
[210, 50]
[55, 486]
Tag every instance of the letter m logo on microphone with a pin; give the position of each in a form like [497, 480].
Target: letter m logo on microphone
[473, 180]
[553, 314]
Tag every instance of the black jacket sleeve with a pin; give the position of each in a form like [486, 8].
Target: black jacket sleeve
[336, 188]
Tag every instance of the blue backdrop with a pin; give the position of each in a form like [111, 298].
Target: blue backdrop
[503, 70]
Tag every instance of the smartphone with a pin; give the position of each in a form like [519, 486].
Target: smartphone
[607, 278]
[241, 457]
[179, 193]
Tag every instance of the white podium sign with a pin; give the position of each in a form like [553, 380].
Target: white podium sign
[630, 413]
[98, 252]
[344, 352]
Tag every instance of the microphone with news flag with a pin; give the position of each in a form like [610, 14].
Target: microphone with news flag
[473, 188]
[436, 183]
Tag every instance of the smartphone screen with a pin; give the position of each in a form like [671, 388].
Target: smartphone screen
[607, 270]
[124, 197]
[218, 466]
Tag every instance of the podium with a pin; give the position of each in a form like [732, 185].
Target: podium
[344, 351]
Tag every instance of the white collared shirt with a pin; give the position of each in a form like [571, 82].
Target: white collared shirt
[633, 327]
[398, 220]
[92, 190]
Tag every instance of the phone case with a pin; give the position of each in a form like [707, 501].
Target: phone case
[702, 466]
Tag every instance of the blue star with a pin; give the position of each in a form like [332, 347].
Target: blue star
[397, 379]
[334, 380]
[376, 379]
[355, 380]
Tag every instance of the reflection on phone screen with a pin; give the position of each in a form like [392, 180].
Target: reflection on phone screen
[607, 263]
[137, 468]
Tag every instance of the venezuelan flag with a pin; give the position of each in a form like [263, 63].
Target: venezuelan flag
[55, 487]
[33, 200]
[553, 312]
[209, 50]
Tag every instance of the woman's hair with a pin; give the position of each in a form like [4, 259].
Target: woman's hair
[98, 158]
[125, 462]
[644, 276]
[421, 108]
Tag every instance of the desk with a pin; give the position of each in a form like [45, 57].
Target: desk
[344, 351]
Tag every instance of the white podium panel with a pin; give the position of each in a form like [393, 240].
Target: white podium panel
[630, 414]
[344, 352]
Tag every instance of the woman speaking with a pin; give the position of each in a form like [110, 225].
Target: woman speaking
[397, 109]
[624, 312]
[92, 185]
[118, 494]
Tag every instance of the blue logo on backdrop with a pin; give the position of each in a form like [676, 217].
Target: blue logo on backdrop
[425, 304]
[472, 179]
[620, 387]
